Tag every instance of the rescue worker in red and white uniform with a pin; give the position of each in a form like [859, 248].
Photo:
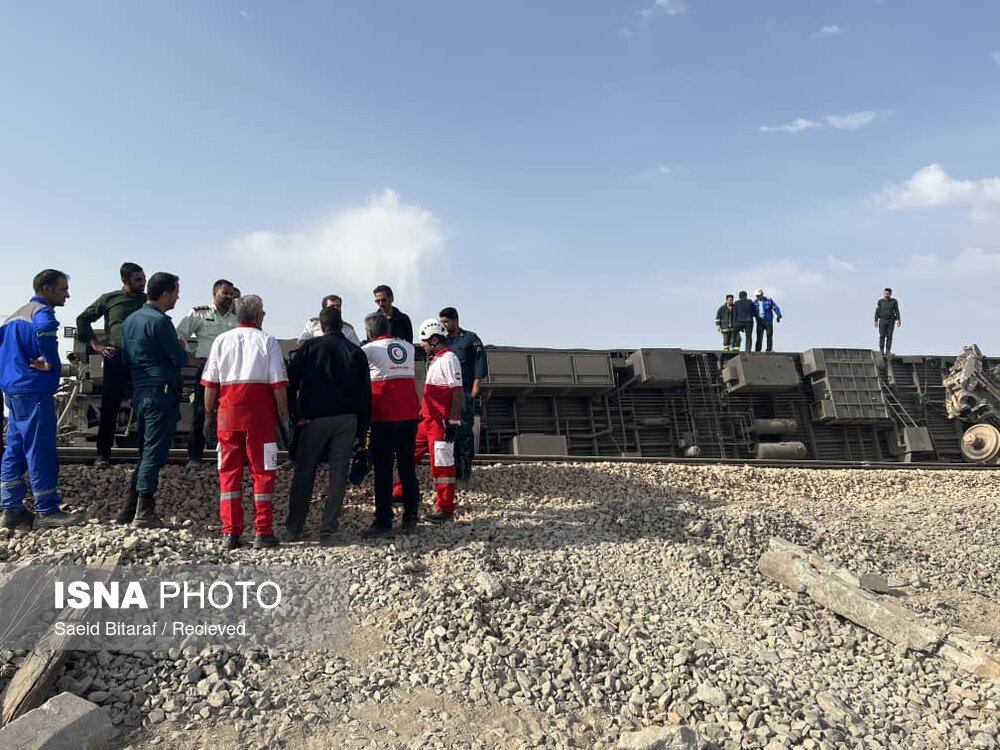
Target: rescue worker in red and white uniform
[395, 415]
[441, 416]
[245, 396]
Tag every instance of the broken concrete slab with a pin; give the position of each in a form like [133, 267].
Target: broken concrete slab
[661, 738]
[840, 590]
[65, 722]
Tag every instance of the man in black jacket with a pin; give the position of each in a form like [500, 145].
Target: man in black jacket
[400, 326]
[886, 320]
[330, 396]
[744, 315]
[725, 323]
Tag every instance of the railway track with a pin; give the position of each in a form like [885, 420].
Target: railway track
[73, 455]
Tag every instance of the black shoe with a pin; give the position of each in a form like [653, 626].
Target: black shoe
[145, 514]
[193, 464]
[127, 514]
[376, 532]
[440, 517]
[409, 527]
[287, 535]
[330, 539]
[265, 541]
[397, 499]
[102, 462]
[232, 541]
[12, 519]
[57, 520]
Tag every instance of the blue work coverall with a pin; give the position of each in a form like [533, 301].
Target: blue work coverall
[154, 356]
[28, 334]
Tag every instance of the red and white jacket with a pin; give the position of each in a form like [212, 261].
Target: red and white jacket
[394, 382]
[444, 377]
[246, 365]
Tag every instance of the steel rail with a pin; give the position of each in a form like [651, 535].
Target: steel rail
[83, 455]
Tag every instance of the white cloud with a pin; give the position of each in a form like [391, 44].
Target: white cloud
[664, 7]
[383, 241]
[833, 30]
[834, 263]
[795, 126]
[996, 56]
[853, 121]
[850, 121]
[932, 186]
[245, 13]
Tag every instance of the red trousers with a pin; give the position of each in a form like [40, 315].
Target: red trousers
[260, 452]
[430, 441]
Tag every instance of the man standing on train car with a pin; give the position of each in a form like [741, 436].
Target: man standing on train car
[245, 396]
[744, 314]
[725, 323]
[441, 416]
[468, 347]
[887, 319]
[767, 313]
[114, 307]
[29, 377]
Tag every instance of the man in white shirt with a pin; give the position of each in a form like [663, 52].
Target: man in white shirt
[313, 329]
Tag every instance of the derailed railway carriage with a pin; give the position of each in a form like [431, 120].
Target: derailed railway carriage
[824, 404]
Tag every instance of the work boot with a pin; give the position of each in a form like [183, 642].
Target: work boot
[194, 463]
[232, 541]
[13, 519]
[127, 513]
[102, 462]
[409, 526]
[145, 514]
[440, 517]
[287, 535]
[57, 520]
[265, 541]
[376, 532]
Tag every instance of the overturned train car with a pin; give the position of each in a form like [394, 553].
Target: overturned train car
[823, 404]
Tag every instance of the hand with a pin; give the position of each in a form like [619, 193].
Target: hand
[450, 431]
[103, 349]
[209, 432]
[286, 430]
[719, 329]
[41, 364]
[899, 323]
[876, 324]
[779, 318]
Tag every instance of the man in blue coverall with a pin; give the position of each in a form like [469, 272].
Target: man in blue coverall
[468, 347]
[767, 312]
[29, 378]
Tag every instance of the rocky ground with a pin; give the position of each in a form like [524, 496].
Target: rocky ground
[572, 604]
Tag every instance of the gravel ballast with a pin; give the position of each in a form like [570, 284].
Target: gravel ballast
[573, 606]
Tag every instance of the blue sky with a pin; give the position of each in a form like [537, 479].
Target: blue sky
[594, 174]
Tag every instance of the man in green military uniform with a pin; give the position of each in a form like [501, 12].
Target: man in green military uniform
[204, 323]
[886, 320]
[114, 307]
[725, 323]
[468, 347]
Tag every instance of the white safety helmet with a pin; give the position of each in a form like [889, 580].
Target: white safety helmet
[758, 292]
[431, 327]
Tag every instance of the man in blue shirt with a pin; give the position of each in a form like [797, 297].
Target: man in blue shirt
[767, 312]
[155, 357]
[29, 378]
[468, 347]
